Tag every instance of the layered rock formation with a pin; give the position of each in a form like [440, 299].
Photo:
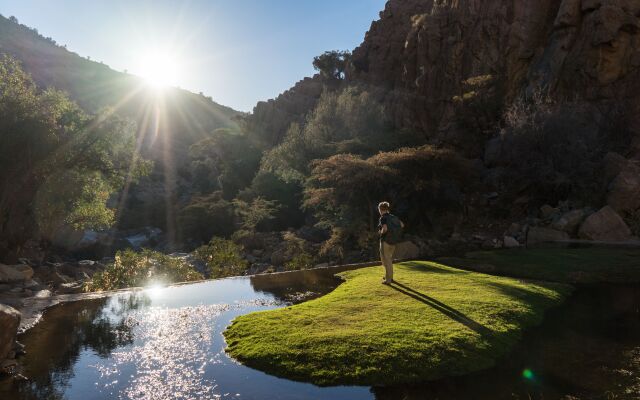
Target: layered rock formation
[427, 55]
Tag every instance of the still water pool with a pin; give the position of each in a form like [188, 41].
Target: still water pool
[166, 343]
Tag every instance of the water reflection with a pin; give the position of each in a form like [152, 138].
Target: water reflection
[96, 326]
[168, 343]
[155, 344]
[299, 286]
[589, 348]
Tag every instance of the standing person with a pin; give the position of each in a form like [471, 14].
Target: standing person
[390, 230]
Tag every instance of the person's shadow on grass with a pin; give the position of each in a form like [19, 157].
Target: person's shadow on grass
[443, 308]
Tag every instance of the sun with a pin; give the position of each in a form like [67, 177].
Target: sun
[159, 68]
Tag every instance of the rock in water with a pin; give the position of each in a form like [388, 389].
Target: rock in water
[605, 225]
[9, 322]
[15, 273]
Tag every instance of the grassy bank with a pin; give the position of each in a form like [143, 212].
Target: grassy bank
[436, 321]
[576, 265]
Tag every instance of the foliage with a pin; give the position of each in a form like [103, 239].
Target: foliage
[58, 165]
[557, 147]
[422, 184]
[349, 121]
[226, 161]
[131, 269]
[223, 257]
[366, 333]
[286, 194]
[332, 64]
[252, 214]
[295, 246]
[206, 216]
[479, 107]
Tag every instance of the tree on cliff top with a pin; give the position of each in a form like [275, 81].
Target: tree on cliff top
[332, 64]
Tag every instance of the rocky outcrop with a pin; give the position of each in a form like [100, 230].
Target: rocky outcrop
[624, 190]
[605, 225]
[569, 221]
[9, 322]
[15, 273]
[431, 56]
[272, 118]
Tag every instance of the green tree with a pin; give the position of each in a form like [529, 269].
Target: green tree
[253, 213]
[226, 161]
[423, 183]
[131, 269]
[58, 165]
[206, 216]
[332, 64]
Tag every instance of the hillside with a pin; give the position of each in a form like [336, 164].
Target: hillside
[184, 118]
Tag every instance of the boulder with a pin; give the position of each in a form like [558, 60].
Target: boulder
[48, 274]
[12, 301]
[71, 288]
[624, 190]
[546, 211]
[569, 221]
[605, 225]
[9, 321]
[406, 250]
[510, 242]
[537, 234]
[15, 273]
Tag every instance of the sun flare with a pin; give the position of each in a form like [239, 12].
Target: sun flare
[159, 68]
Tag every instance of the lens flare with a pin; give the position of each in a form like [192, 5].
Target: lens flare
[527, 374]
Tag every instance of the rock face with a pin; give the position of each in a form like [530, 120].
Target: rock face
[427, 55]
[569, 221]
[624, 191]
[272, 118]
[9, 322]
[605, 225]
[15, 273]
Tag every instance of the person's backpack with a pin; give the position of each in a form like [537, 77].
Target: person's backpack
[394, 230]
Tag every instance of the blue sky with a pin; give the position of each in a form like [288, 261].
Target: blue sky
[236, 51]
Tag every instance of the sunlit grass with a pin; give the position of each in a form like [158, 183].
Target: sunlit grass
[435, 322]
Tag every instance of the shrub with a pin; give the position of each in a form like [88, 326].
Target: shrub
[223, 258]
[295, 246]
[556, 148]
[206, 216]
[131, 269]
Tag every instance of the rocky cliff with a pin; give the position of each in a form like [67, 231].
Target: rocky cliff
[428, 55]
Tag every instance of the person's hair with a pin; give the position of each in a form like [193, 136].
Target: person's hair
[384, 206]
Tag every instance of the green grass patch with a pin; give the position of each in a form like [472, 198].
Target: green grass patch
[575, 265]
[437, 321]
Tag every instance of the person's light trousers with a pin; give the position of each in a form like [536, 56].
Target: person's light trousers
[386, 256]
